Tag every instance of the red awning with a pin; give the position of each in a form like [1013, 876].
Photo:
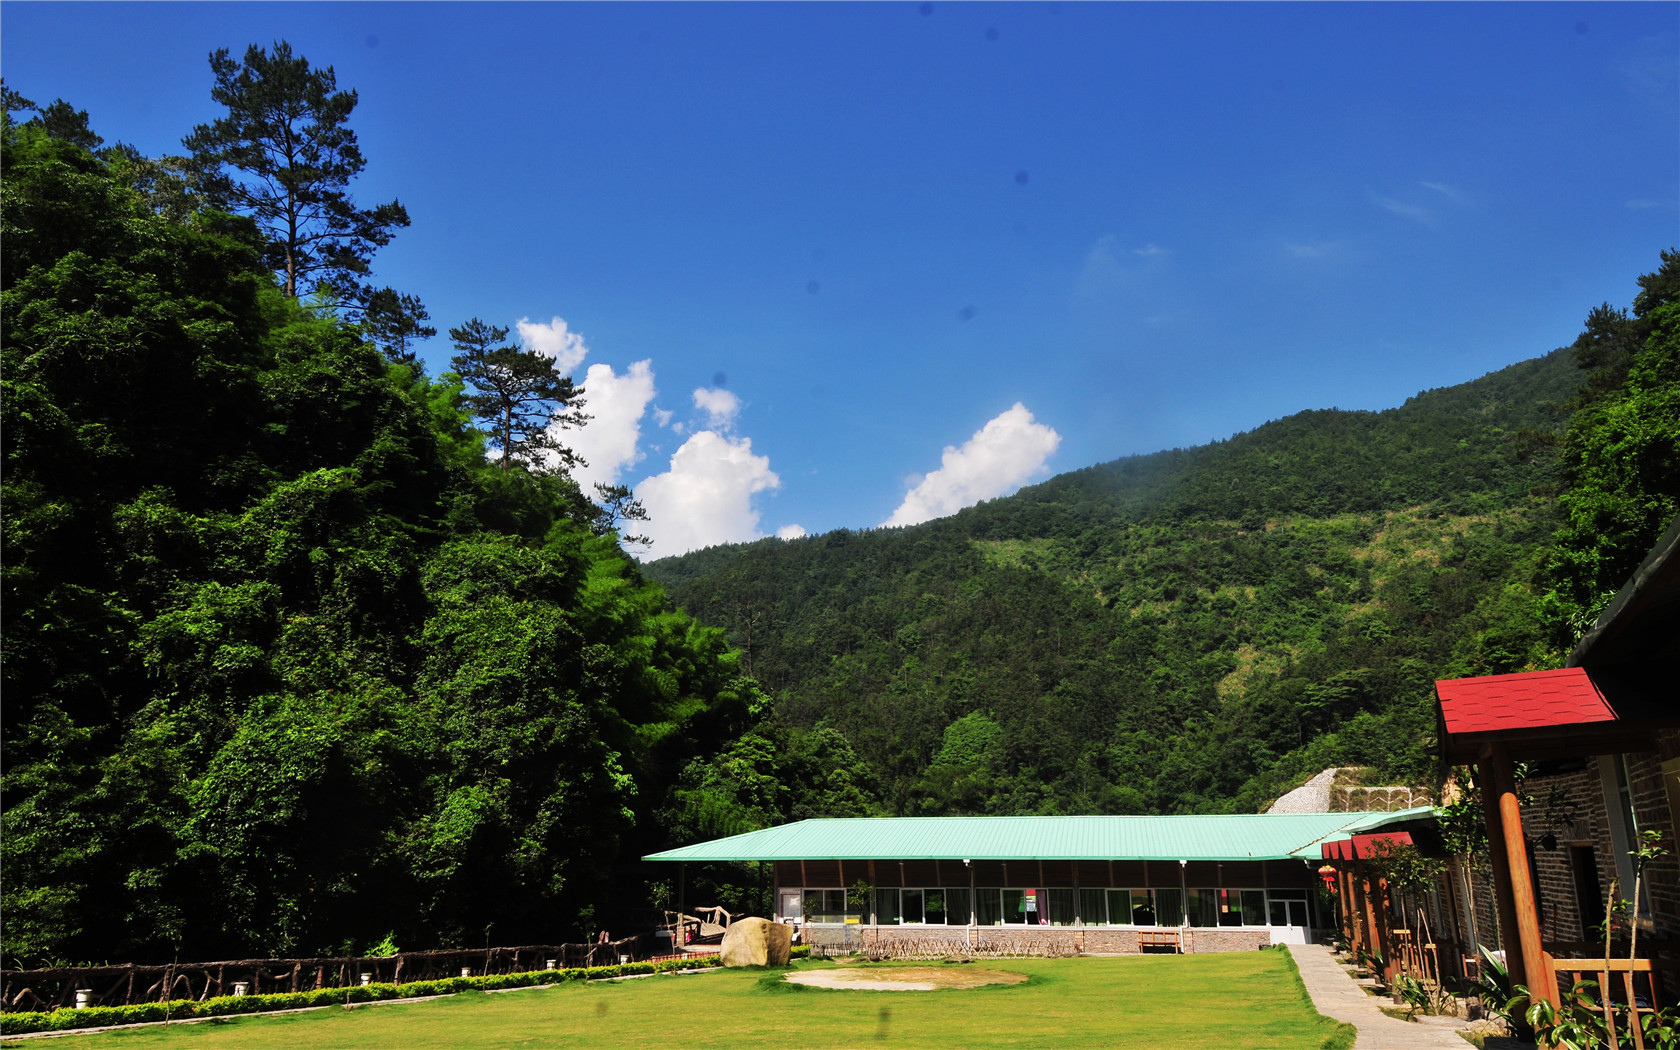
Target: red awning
[1532, 700]
[1362, 847]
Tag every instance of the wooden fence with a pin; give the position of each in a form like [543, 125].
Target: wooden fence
[1622, 996]
[128, 984]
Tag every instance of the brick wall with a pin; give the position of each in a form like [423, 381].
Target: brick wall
[1087, 940]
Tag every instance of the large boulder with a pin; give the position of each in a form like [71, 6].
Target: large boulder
[756, 942]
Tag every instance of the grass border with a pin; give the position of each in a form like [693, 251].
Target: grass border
[69, 1019]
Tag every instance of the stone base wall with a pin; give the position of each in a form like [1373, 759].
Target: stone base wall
[1006, 940]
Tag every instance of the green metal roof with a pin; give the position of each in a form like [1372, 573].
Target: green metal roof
[1241, 836]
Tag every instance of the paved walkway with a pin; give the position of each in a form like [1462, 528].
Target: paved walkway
[1336, 994]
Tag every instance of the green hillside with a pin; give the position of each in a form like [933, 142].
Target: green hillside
[1191, 630]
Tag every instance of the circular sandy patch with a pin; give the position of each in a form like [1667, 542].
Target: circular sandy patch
[905, 978]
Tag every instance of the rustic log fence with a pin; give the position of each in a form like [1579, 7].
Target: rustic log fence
[129, 984]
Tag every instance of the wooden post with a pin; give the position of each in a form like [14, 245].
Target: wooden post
[681, 937]
[1513, 849]
[1350, 914]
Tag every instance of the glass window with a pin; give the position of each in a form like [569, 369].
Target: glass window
[987, 907]
[1093, 911]
[957, 906]
[912, 905]
[1060, 909]
[887, 907]
[1015, 906]
[1143, 907]
[1119, 907]
[1203, 907]
[1169, 907]
[1230, 908]
[933, 904]
[1254, 907]
[1280, 913]
[825, 906]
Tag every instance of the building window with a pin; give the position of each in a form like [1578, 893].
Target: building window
[1169, 907]
[959, 909]
[1093, 910]
[825, 906]
[887, 911]
[1060, 906]
[1203, 907]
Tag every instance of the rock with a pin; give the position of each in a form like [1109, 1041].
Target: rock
[756, 942]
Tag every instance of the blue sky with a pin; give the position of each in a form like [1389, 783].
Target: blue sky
[883, 260]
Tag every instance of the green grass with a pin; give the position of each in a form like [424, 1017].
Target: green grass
[1246, 1001]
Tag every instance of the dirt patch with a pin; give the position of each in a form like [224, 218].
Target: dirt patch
[905, 978]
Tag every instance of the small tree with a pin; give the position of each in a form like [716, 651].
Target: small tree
[392, 321]
[285, 155]
[619, 507]
[520, 394]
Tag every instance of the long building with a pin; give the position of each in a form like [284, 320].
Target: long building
[1094, 884]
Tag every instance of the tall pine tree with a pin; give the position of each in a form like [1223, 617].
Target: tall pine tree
[519, 394]
[285, 155]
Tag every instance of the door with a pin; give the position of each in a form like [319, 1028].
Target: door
[790, 911]
[1289, 920]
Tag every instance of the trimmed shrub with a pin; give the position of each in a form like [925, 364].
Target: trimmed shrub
[66, 1018]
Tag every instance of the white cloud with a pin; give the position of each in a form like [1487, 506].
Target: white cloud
[721, 407]
[1401, 208]
[1312, 249]
[1446, 191]
[615, 404]
[554, 341]
[1149, 249]
[1001, 455]
[662, 416]
[706, 496]
[790, 532]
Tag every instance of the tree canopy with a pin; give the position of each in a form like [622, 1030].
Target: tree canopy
[288, 665]
[285, 155]
[520, 394]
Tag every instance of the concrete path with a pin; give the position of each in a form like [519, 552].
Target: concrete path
[1336, 994]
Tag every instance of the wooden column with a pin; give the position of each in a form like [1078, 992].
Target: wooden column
[1349, 918]
[681, 937]
[1504, 909]
[1510, 858]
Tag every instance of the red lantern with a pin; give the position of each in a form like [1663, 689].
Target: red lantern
[1328, 874]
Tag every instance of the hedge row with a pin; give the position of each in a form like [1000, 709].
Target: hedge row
[65, 1018]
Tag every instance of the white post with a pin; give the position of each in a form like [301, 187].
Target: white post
[240, 988]
[84, 996]
[367, 979]
[466, 971]
[550, 964]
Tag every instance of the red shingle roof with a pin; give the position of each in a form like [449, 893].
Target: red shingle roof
[1364, 847]
[1532, 700]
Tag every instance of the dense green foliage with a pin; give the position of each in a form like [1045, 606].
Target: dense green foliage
[66, 1019]
[1203, 628]
[287, 665]
[1621, 451]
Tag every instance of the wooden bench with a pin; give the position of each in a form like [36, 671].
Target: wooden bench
[1160, 939]
[1617, 978]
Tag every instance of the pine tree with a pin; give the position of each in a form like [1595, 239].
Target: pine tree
[392, 321]
[285, 155]
[520, 394]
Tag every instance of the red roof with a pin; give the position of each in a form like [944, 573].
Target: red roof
[1361, 847]
[1531, 700]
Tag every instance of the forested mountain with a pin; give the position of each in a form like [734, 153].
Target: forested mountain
[1198, 629]
[288, 665]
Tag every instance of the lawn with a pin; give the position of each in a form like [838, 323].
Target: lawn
[1235, 1001]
